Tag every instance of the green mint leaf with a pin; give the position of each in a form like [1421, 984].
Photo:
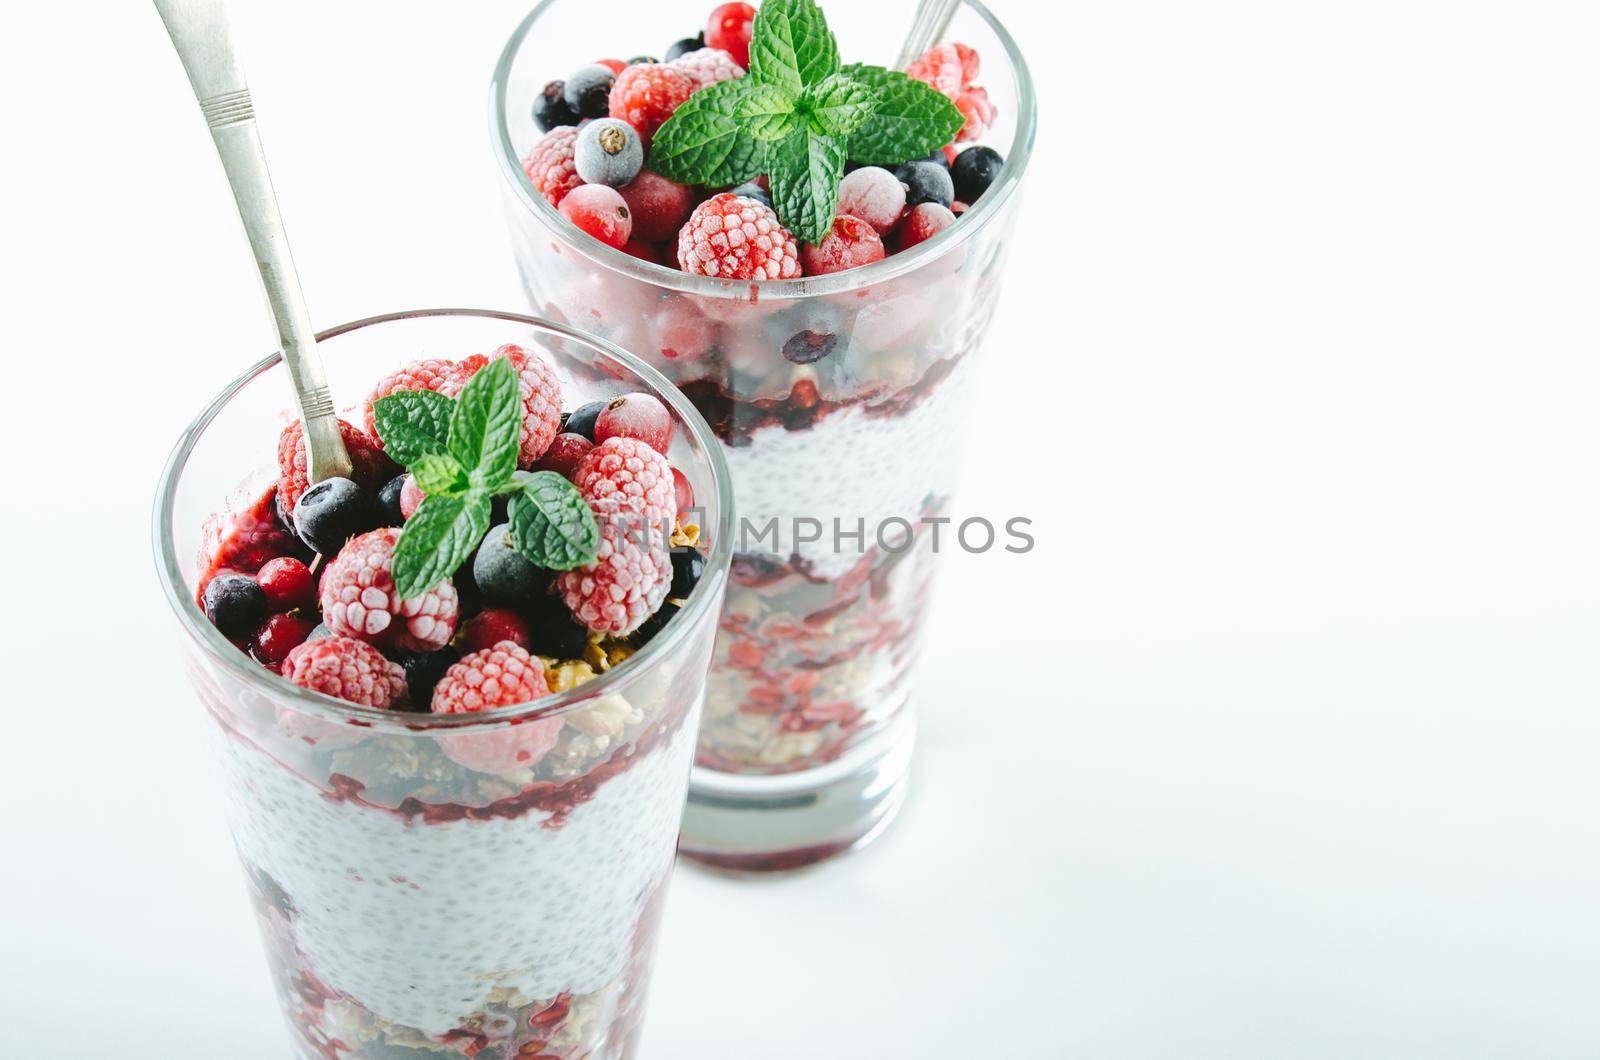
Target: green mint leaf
[791, 45]
[440, 474]
[768, 112]
[413, 422]
[705, 143]
[487, 426]
[551, 524]
[805, 183]
[838, 106]
[910, 120]
[437, 540]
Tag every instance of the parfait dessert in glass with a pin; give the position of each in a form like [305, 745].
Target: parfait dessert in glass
[455, 694]
[811, 249]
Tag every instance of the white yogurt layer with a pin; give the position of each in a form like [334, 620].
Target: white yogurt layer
[420, 923]
[849, 466]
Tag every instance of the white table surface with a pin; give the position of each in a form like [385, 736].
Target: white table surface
[1283, 742]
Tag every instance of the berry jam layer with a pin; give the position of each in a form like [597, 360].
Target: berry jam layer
[808, 668]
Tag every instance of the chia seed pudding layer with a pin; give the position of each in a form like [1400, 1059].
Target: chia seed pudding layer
[423, 925]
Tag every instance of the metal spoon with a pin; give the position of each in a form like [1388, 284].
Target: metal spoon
[200, 32]
[932, 19]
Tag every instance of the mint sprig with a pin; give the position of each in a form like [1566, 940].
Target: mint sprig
[798, 117]
[463, 453]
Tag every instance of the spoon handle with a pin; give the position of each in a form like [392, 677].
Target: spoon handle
[200, 32]
[927, 26]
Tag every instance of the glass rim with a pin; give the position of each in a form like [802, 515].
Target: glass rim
[251, 673]
[976, 217]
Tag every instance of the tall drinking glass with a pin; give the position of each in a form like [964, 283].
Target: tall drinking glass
[840, 401]
[412, 905]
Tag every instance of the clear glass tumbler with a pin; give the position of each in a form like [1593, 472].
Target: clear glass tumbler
[412, 906]
[840, 401]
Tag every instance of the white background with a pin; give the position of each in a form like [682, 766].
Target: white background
[1283, 742]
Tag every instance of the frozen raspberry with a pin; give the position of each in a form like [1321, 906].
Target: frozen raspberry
[277, 637]
[491, 626]
[969, 62]
[541, 397]
[359, 600]
[629, 471]
[600, 212]
[640, 416]
[504, 675]
[550, 164]
[873, 194]
[941, 67]
[346, 669]
[974, 105]
[565, 454]
[645, 96]
[849, 243]
[410, 497]
[426, 374]
[287, 583]
[659, 206]
[369, 466]
[729, 28]
[735, 238]
[707, 66]
[923, 222]
[630, 575]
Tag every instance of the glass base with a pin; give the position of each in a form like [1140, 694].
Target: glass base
[757, 824]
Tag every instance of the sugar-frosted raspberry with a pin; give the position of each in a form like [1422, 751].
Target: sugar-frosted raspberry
[974, 105]
[645, 95]
[369, 466]
[359, 600]
[541, 397]
[873, 194]
[707, 66]
[426, 374]
[629, 471]
[504, 675]
[850, 243]
[630, 575]
[941, 67]
[735, 238]
[550, 165]
[347, 669]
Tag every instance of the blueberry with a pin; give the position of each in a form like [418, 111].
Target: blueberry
[500, 512]
[688, 564]
[389, 501]
[588, 91]
[643, 60]
[503, 574]
[754, 191]
[808, 347]
[552, 631]
[938, 158]
[235, 604]
[331, 513]
[582, 420]
[550, 107]
[974, 170]
[608, 152]
[685, 46]
[654, 624]
[926, 182]
[423, 670]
